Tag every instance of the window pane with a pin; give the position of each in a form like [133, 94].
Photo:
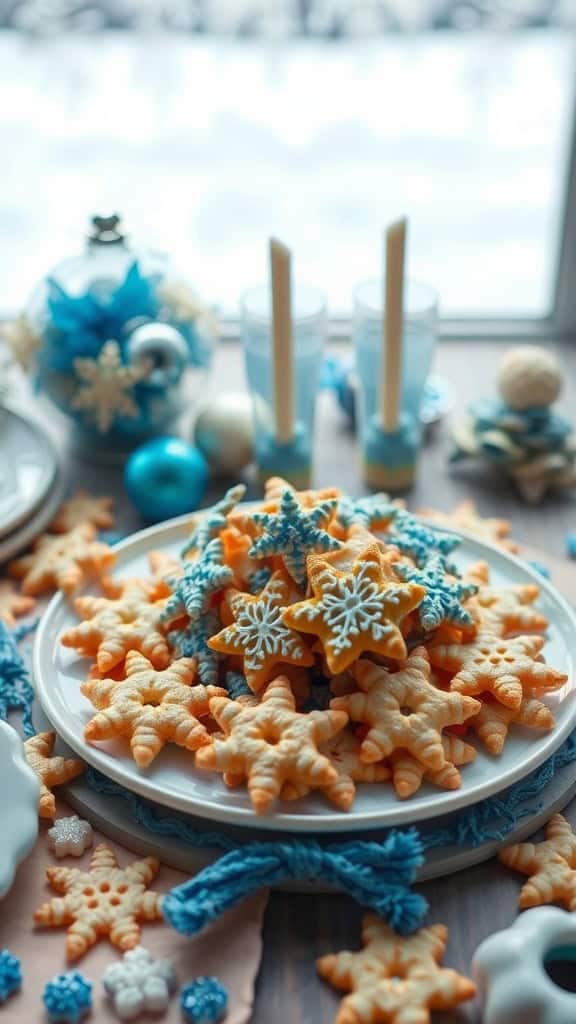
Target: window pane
[210, 144]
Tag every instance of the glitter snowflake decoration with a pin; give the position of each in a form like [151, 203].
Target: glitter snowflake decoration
[23, 341]
[107, 385]
[414, 539]
[213, 520]
[443, 600]
[199, 581]
[67, 998]
[294, 532]
[139, 983]
[10, 974]
[192, 642]
[70, 837]
[204, 1001]
[374, 512]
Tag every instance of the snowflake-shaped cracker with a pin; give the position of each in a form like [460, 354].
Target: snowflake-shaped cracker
[105, 900]
[394, 979]
[106, 387]
[51, 771]
[551, 866]
[505, 668]
[198, 583]
[442, 602]
[139, 983]
[355, 611]
[493, 721]
[270, 743]
[343, 751]
[403, 710]
[414, 539]
[374, 512]
[13, 604]
[10, 974]
[192, 642]
[465, 517]
[150, 708]
[113, 626]
[408, 773]
[83, 508]
[276, 485]
[293, 533]
[62, 562]
[213, 520]
[506, 609]
[67, 998]
[258, 634]
[70, 837]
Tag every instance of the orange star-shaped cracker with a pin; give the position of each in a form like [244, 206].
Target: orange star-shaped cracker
[493, 721]
[13, 604]
[408, 773]
[551, 866]
[394, 980]
[270, 743]
[465, 516]
[403, 710]
[83, 508]
[506, 668]
[51, 771]
[62, 562]
[259, 634]
[106, 900]
[504, 610]
[129, 621]
[150, 708]
[343, 751]
[355, 611]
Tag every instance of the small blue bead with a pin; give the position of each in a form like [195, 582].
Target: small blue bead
[67, 998]
[10, 974]
[540, 568]
[204, 1001]
[166, 477]
[571, 545]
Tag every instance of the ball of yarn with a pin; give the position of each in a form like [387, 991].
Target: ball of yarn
[529, 377]
[165, 477]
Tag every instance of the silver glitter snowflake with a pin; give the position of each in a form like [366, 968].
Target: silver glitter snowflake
[70, 837]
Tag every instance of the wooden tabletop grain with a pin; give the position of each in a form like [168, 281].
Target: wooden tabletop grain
[475, 902]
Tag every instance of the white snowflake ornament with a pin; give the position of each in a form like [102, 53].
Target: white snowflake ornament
[138, 983]
[106, 386]
[70, 837]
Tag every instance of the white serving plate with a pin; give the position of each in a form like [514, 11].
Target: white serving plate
[24, 535]
[28, 467]
[19, 791]
[173, 781]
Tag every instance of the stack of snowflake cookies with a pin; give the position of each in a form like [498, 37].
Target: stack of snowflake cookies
[311, 643]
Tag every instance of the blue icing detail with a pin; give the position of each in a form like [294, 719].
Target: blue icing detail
[571, 545]
[16, 692]
[395, 450]
[213, 520]
[204, 1001]
[293, 533]
[10, 974]
[67, 998]
[259, 579]
[192, 642]
[237, 686]
[413, 538]
[199, 581]
[369, 511]
[442, 602]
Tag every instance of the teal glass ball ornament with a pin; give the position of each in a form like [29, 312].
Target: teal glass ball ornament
[165, 477]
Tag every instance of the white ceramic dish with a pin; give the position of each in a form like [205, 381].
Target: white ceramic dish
[21, 538]
[28, 467]
[19, 791]
[173, 781]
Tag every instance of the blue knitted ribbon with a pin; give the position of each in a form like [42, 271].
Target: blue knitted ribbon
[16, 691]
[376, 874]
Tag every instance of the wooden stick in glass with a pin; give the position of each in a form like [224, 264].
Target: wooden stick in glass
[391, 360]
[282, 341]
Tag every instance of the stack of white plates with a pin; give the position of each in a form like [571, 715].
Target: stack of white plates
[30, 482]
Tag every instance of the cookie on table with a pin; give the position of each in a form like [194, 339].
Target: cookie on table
[62, 562]
[13, 604]
[551, 866]
[50, 770]
[83, 508]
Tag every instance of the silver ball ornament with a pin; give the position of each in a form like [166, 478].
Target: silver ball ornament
[529, 377]
[161, 345]
[224, 432]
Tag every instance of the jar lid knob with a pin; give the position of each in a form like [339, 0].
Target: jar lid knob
[106, 230]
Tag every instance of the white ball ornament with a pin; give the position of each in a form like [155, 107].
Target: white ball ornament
[529, 377]
[224, 432]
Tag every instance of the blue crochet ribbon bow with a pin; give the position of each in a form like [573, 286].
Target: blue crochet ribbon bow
[376, 875]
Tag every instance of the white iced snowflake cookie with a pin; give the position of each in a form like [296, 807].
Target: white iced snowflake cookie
[510, 969]
[70, 837]
[138, 983]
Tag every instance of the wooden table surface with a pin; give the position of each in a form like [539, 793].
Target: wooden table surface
[473, 903]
